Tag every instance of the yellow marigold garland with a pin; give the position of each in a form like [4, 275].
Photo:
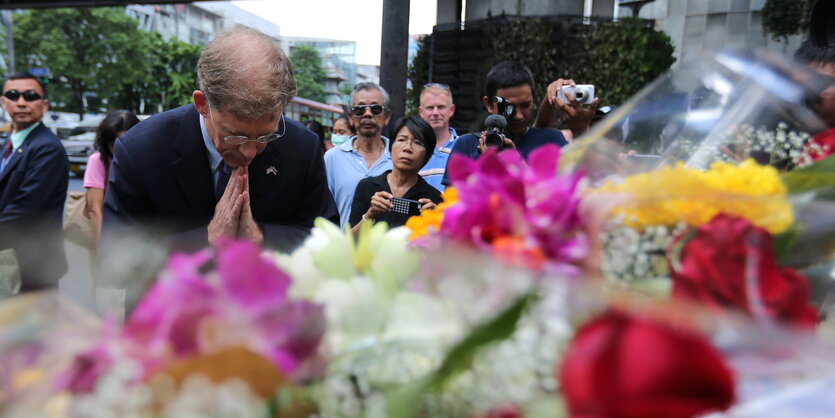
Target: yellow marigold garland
[430, 220]
[673, 194]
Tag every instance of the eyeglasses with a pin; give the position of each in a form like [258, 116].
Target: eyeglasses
[28, 95]
[441, 85]
[263, 139]
[376, 109]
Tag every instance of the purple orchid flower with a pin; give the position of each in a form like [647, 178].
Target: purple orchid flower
[501, 196]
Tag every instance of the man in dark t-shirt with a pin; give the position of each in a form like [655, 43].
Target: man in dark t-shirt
[510, 94]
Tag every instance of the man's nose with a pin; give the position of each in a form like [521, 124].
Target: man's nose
[249, 149]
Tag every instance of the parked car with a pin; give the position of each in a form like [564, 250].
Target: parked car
[79, 147]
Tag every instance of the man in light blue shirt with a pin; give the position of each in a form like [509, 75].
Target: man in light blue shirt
[364, 155]
[436, 107]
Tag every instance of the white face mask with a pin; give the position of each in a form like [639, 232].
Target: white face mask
[338, 140]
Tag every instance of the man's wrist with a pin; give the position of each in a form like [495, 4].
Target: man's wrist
[367, 218]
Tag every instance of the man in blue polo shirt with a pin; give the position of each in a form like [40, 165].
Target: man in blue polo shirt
[436, 108]
[510, 92]
[367, 153]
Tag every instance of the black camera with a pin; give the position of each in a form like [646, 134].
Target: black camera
[505, 108]
[494, 125]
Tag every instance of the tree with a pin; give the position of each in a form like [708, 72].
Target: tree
[171, 80]
[89, 50]
[310, 76]
[784, 18]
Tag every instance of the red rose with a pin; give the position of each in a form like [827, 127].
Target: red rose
[619, 366]
[825, 141]
[716, 265]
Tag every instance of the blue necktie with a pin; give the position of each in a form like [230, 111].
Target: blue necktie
[223, 174]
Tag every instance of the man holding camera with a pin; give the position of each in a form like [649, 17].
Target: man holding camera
[510, 95]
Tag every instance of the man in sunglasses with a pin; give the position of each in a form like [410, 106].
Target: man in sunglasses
[34, 174]
[509, 93]
[436, 108]
[228, 166]
[364, 155]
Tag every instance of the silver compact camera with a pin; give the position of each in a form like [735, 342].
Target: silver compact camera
[583, 93]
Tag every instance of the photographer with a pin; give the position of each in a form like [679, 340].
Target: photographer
[509, 93]
[560, 98]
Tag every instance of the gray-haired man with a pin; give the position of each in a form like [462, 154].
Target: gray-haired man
[230, 165]
[364, 155]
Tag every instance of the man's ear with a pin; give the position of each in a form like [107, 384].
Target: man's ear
[488, 105]
[452, 108]
[200, 101]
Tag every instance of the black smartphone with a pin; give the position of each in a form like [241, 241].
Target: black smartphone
[405, 206]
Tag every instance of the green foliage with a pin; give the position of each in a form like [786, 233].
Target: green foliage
[529, 42]
[815, 177]
[619, 58]
[418, 74]
[404, 402]
[101, 57]
[87, 49]
[310, 76]
[784, 18]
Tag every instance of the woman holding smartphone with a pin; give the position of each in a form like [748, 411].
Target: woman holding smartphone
[376, 198]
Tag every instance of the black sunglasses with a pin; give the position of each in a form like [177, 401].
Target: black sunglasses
[441, 85]
[360, 110]
[28, 95]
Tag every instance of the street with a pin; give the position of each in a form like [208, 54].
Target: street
[77, 283]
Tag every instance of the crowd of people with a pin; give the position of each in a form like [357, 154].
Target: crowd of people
[231, 165]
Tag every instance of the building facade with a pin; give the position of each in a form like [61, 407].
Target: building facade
[186, 22]
[339, 59]
[695, 26]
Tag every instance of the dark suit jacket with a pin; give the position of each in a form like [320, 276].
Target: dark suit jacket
[33, 188]
[161, 179]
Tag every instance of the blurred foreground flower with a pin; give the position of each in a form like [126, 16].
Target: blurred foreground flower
[672, 194]
[624, 366]
[526, 214]
[730, 263]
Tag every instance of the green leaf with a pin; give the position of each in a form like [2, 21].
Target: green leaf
[819, 175]
[404, 402]
[783, 242]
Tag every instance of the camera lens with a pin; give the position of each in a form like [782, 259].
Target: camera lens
[580, 94]
[494, 140]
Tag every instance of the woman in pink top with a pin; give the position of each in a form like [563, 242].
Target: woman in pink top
[114, 125]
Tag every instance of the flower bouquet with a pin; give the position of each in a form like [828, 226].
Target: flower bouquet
[224, 343]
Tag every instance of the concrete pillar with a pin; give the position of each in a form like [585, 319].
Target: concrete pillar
[394, 53]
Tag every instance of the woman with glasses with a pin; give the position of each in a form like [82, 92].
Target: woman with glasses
[114, 125]
[380, 198]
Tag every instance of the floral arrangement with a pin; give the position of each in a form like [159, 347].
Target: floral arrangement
[525, 214]
[228, 342]
[491, 305]
[680, 194]
[781, 146]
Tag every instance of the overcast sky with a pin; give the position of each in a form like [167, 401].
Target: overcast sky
[352, 20]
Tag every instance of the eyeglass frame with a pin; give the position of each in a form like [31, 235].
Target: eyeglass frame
[263, 139]
[30, 93]
[383, 108]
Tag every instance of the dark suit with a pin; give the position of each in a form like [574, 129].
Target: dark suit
[161, 179]
[33, 188]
